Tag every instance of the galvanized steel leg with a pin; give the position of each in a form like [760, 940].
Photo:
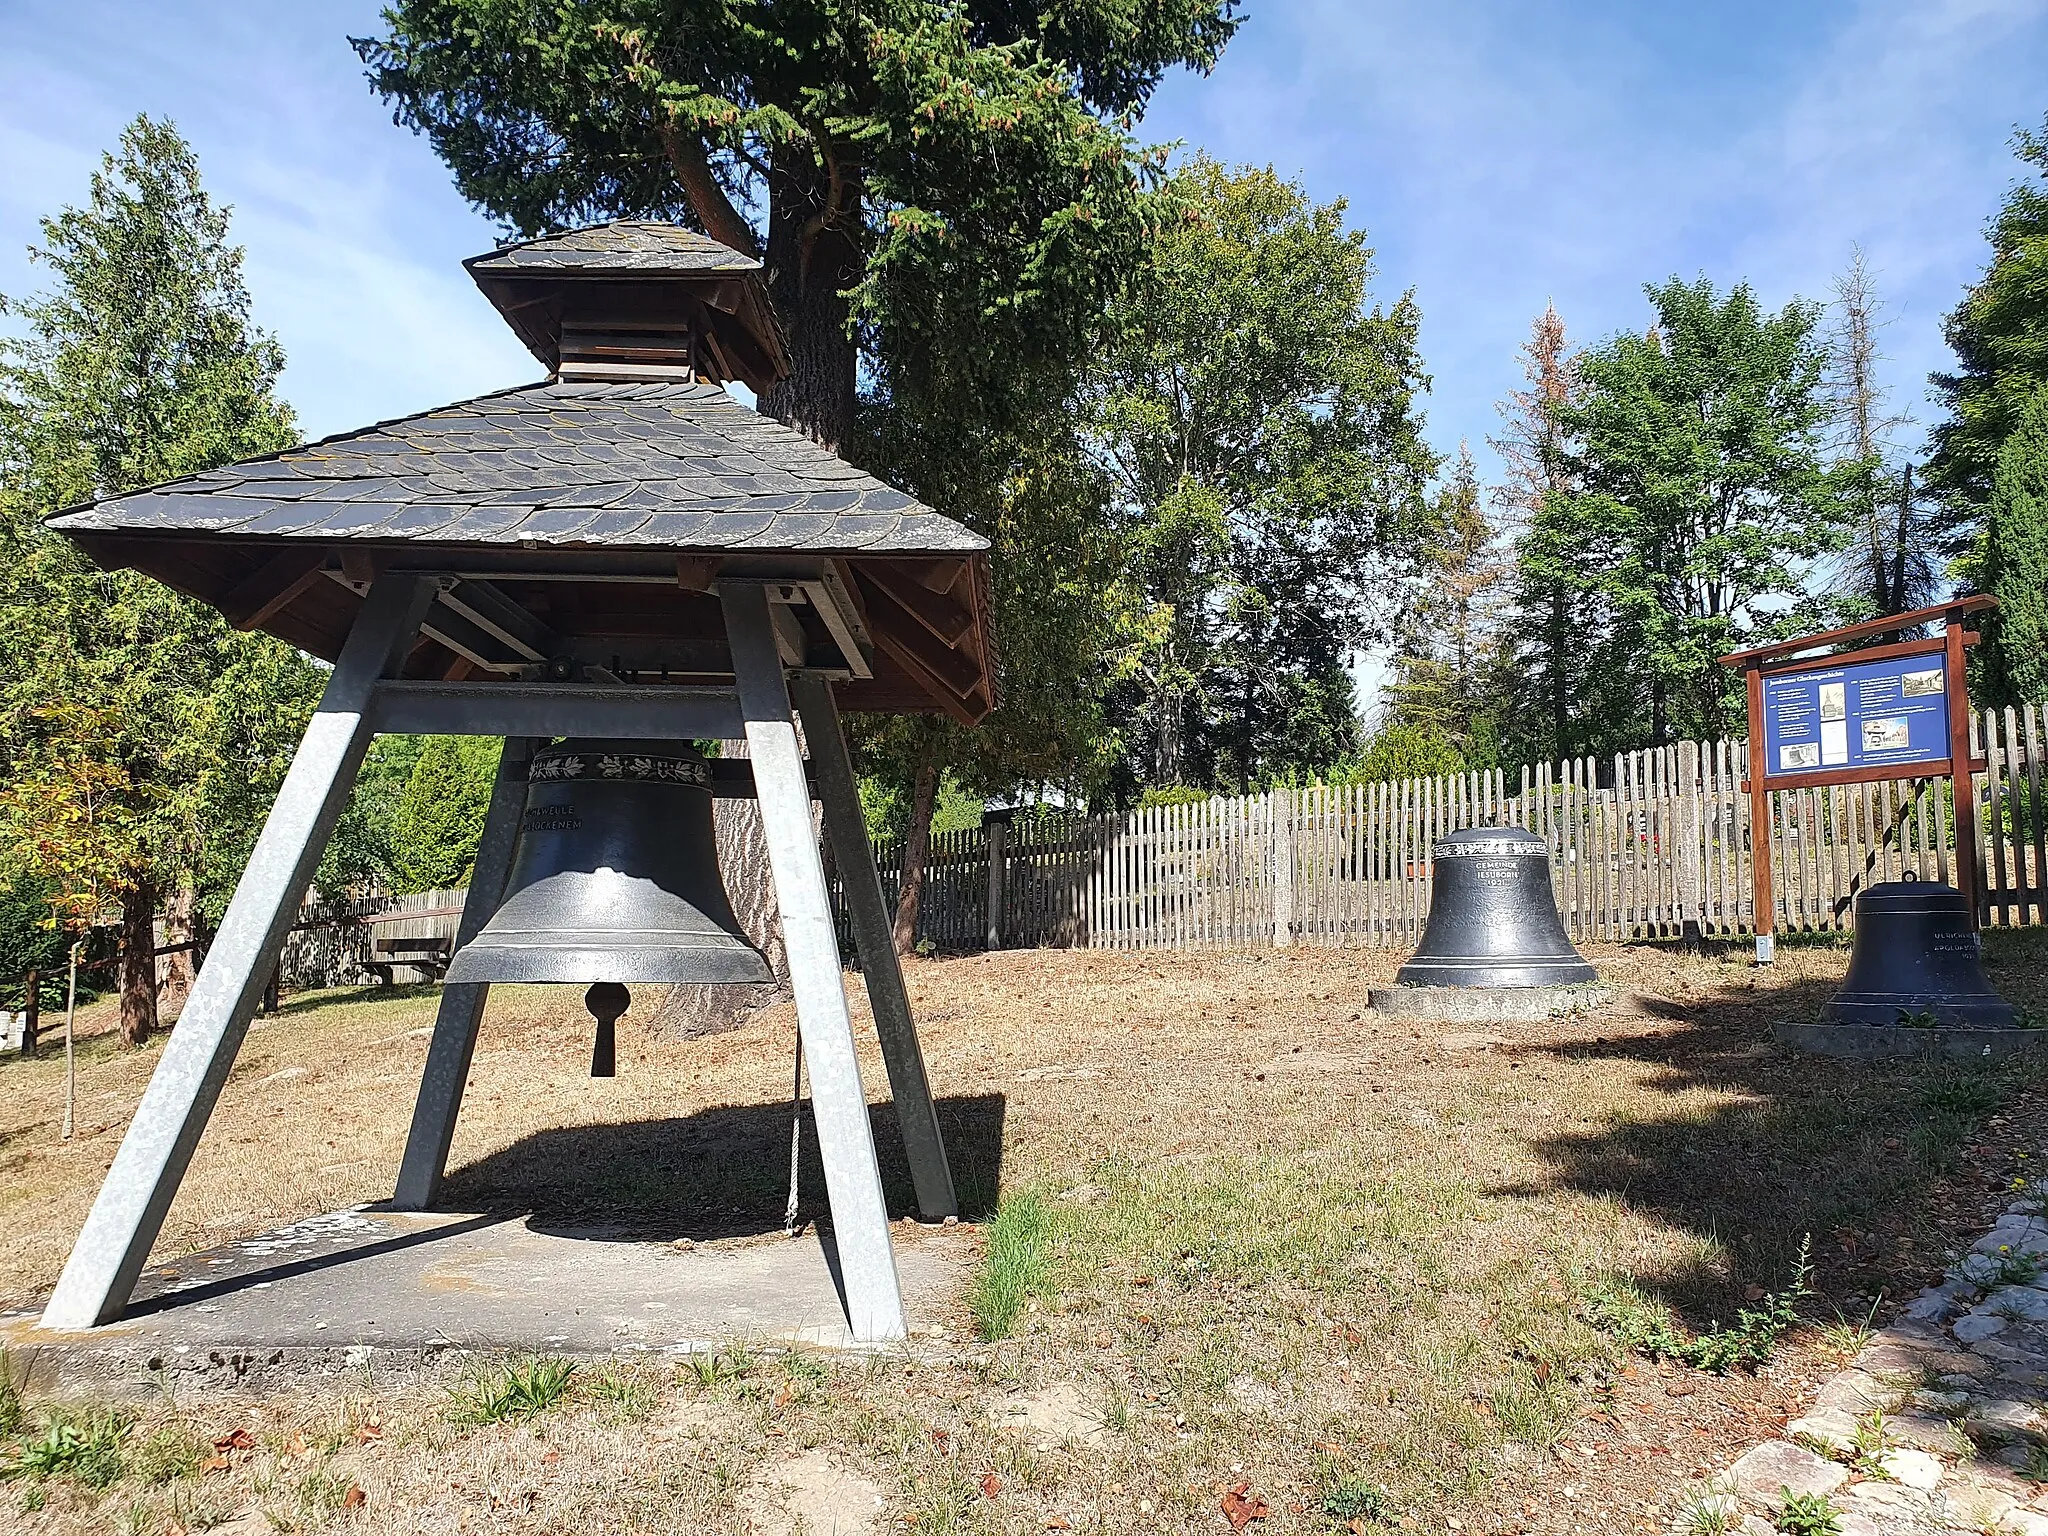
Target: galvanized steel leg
[846, 1140]
[462, 1003]
[125, 1219]
[832, 778]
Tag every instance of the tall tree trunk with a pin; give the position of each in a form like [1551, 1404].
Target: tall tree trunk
[812, 258]
[690, 1009]
[138, 963]
[175, 972]
[917, 848]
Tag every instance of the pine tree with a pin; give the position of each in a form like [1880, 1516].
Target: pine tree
[164, 730]
[1445, 658]
[1999, 334]
[440, 817]
[2016, 561]
[1546, 641]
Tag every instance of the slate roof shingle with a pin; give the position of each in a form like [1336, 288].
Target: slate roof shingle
[625, 248]
[572, 465]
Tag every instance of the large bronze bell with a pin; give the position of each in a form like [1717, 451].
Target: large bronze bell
[615, 879]
[1493, 918]
[1916, 959]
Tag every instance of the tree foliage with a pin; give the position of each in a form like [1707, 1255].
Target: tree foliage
[946, 191]
[2016, 561]
[945, 196]
[1253, 416]
[440, 817]
[1999, 334]
[1446, 659]
[1698, 498]
[141, 737]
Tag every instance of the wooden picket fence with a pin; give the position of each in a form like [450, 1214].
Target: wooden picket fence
[330, 944]
[1647, 845]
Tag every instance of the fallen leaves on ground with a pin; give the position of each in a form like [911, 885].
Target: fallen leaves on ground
[1241, 1506]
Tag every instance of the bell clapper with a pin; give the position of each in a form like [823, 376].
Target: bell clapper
[607, 1000]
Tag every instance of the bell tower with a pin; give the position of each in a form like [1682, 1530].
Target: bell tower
[625, 555]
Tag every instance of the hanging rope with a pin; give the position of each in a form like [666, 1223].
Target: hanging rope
[796, 1139]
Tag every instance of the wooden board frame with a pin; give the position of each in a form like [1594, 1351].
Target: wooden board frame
[1791, 656]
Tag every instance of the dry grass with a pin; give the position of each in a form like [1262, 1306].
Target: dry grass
[1280, 1242]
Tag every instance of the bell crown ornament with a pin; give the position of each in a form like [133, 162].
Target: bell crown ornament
[615, 876]
[1493, 919]
[1916, 956]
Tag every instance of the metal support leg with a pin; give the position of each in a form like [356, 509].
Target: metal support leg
[846, 1140]
[832, 777]
[125, 1219]
[462, 1003]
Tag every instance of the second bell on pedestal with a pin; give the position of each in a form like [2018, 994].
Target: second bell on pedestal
[615, 878]
[1493, 919]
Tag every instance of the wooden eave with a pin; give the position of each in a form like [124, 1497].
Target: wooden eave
[642, 615]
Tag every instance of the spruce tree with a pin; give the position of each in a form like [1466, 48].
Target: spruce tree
[440, 817]
[140, 737]
[2016, 560]
[2000, 337]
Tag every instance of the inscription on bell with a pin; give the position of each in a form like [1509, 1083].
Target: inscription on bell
[552, 818]
[1916, 954]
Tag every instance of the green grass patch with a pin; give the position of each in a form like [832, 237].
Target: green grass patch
[1642, 1323]
[1807, 1514]
[85, 1447]
[1015, 1267]
[512, 1390]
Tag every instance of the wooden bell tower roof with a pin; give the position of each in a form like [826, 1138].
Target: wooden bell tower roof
[578, 525]
[636, 300]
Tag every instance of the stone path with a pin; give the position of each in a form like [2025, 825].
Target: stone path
[1930, 1430]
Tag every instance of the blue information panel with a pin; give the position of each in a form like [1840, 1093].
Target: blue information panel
[1876, 714]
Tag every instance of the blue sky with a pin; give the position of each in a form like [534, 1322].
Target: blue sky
[1500, 155]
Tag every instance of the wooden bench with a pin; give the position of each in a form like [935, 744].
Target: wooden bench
[423, 952]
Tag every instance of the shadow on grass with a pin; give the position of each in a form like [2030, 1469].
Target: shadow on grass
[1792, 1147]
[721, 1172]
[352, 997]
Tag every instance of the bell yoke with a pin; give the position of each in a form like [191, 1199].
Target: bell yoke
[625, 557]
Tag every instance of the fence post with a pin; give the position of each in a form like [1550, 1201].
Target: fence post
[31, 1012]
[1691, 831]
[995, 827]
[1280, 823]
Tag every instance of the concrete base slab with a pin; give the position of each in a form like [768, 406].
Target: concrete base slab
[1487, 1005]
[371, 1289]
[1948, 1042]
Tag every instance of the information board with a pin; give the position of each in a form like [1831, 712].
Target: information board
[1877, 714]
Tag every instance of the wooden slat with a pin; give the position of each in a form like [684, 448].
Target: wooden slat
[2037, 814]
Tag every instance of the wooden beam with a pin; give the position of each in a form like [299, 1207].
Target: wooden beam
[898, 628]
[940, 692]
[1947, 613]
[947, 620]
[1932, 646]
[695, 573]
[273, 585]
